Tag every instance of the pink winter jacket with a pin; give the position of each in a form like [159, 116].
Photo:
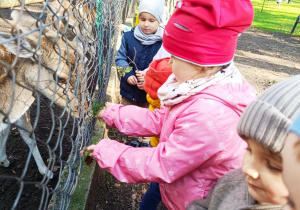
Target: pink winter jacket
[198, 143]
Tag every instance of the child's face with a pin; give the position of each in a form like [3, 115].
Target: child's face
[291, 170]
[263, 173]
[148, 23]
[182, 70]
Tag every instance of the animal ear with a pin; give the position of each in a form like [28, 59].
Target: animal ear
[18, 46]
[27, 24]
[24, 21]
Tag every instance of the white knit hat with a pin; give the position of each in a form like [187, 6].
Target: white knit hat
[154, 7]
[267, 119]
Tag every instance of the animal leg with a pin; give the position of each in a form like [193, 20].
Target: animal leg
[3, 139]
[24, 122]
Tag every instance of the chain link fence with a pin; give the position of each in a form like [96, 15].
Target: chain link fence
[170, 4]
[55, 62]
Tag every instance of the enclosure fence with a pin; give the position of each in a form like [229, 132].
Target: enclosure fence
[55, 62]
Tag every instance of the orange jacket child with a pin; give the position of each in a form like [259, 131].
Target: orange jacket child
[158, 73]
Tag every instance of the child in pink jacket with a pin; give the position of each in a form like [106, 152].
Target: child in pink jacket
[202, 102]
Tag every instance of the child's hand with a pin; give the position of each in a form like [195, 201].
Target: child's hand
[140, 85]
[132, 80]
[140, 75]
[100, 114]
[90, 149]
[123, 28]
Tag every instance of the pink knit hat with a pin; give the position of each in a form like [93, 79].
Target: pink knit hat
[205, 32]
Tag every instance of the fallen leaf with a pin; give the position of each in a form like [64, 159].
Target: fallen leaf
[117, 185]
[55, 168]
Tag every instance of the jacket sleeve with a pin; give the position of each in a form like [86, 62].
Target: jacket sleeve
[121, 59]
[186, 149]
[134, 120]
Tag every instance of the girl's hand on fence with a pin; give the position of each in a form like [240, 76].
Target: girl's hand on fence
[101, 113]
[132, 80]
[90, 149]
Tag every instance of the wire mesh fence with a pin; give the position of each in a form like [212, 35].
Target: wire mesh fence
[170, 5]
[55, 61]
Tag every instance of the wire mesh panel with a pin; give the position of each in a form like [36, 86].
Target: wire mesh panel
[55, 61]
[170, 4]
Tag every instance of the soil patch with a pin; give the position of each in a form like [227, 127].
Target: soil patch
[37, 191]
[109, 193]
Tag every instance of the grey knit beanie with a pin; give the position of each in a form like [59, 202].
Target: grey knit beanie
[154, 7]
[267, 119]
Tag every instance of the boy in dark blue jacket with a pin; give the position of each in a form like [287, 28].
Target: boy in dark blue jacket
[137, 50]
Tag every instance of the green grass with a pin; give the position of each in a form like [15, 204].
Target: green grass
[80, 195]
[277, 19]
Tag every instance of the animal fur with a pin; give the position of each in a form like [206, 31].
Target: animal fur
[21, 74]
[14, 3]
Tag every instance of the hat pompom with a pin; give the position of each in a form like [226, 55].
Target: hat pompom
[156, 76]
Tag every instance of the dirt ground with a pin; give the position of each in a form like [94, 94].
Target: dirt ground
[17, 151]
[264, 58]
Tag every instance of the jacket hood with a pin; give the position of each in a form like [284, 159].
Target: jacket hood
[156, 76]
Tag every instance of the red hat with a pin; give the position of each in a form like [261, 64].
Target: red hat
[156, 76]
[205, 32]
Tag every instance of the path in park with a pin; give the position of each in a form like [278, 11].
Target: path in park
[266, 58]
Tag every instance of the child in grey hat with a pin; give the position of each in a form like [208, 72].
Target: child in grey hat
[263, 125]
